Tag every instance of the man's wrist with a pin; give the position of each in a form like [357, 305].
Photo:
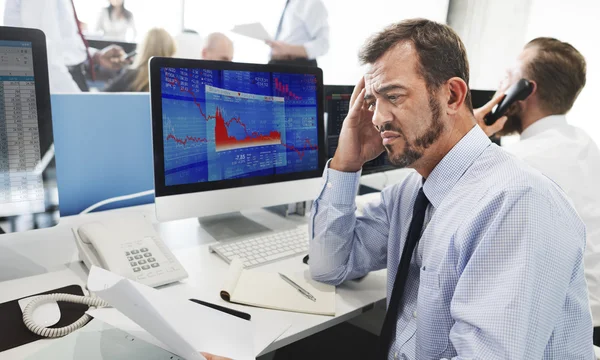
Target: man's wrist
[335, 164]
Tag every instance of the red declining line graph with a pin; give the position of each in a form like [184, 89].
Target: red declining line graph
[285, 91]
[225, 142]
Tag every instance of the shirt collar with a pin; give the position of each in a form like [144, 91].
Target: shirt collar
[543, 124]
[451, 168]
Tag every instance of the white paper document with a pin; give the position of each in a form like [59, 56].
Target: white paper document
[266, 332]
[253, 30]
[184, 327]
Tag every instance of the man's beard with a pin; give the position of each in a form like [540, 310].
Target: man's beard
[514, 123]
[414, 151]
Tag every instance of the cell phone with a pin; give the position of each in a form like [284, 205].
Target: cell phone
[130, 55]
[517, 92]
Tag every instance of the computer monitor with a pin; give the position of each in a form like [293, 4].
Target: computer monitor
[28, 195]
[481, 97]
[337, 103]
[231, 136]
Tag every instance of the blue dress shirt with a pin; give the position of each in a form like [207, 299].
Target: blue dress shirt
[498, 272]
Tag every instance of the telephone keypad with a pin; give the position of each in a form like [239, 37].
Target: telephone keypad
[144, 264]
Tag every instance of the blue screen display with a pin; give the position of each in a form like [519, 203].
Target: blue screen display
[222, 124]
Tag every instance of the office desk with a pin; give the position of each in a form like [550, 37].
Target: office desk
[206, 271]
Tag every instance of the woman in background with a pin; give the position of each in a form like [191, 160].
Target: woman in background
[116, 22]
[158, 42]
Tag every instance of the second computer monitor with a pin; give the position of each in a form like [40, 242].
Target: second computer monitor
[337, 103]
[230, 136]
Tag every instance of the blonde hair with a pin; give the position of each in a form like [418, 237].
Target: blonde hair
[157, 42]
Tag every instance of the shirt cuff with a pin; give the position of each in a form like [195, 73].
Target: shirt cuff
[339, 187]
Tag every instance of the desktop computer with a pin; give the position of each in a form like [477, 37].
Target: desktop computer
[27, 176]
[231, 136]
[337, 103]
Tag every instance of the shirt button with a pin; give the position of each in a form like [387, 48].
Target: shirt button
[329, 185]
[396, 355]
[415, 314]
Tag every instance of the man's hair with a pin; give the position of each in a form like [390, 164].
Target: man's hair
[559, 72]
[442, 55]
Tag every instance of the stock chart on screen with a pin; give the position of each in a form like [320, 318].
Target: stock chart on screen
[222, 124]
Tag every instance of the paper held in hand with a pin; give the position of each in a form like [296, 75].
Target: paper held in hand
[254, 30]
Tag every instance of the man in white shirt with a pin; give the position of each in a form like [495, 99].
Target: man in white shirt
[302, 34]
[67, 53]
[564, 153]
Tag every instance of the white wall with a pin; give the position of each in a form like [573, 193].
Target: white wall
[493, 33]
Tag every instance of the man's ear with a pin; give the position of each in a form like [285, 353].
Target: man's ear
[457, 91]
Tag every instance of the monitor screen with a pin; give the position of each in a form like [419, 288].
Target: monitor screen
[28, 195]
[233, 127]
[481, 97]
[21, 186]
[337, 103]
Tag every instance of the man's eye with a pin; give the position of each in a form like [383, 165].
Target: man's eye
[392, 98]
[371, 106]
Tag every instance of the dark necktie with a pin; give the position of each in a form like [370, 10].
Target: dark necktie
[85, 43]
[414, 234]
[281, 20]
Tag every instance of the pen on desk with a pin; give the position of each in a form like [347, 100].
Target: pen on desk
[298, 287]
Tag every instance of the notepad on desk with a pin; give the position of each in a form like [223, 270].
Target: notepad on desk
[270, 290]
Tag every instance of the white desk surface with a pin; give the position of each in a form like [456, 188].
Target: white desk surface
[53, 250]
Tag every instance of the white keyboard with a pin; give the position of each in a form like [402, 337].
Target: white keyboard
[265, 248]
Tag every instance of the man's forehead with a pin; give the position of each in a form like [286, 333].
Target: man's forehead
[397, 65]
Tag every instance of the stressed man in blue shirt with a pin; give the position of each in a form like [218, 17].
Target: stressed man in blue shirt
[484, 254]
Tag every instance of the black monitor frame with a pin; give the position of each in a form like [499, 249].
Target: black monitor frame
[156, 63]
[40, 72]
[44, 113]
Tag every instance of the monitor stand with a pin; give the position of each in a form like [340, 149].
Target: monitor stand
[230, 225]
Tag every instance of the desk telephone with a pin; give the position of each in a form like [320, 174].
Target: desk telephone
[128, 246]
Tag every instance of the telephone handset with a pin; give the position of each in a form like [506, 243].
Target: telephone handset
[130, 247]
[517, 92]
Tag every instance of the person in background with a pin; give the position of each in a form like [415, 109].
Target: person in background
[115, 22]
[69, 57]
[484, 254]
[564, 153]
[217, 46]
[157, 42]
[302, 33]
